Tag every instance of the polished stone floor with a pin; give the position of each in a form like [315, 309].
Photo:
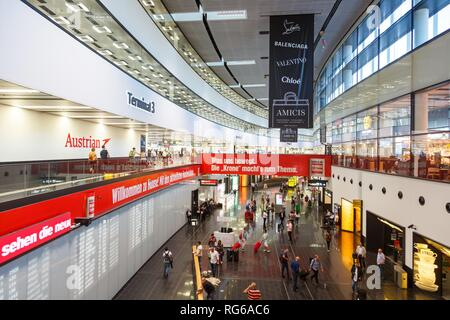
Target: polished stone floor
[262, 268]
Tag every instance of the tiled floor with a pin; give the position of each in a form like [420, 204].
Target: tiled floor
[262, 268]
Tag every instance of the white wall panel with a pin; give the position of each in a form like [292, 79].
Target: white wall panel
[32, 135]
[106, 254]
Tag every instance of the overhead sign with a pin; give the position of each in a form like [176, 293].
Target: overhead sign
[19, 242]
[263, 164]
[317, 183]
[288, 135]
[291, 71]
[208, 182]
[140, 103]
[317, 167]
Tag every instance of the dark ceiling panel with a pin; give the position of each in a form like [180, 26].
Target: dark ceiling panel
[180, 5]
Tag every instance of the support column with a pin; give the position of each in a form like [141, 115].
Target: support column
[420, 126]
[421, 17]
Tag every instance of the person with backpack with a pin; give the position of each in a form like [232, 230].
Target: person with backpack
[314, 266]
[284, 260]
[104, 154]
[168, 262]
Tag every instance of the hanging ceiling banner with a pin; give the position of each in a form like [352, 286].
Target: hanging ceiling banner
[291, 71]
[289, 135]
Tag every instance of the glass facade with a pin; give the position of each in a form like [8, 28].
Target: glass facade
[398, 137]
[402, 25]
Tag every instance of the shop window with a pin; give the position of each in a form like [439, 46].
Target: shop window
[367, 124]
[394, 155]
[394, 118]
[367, 155]
[431, 156]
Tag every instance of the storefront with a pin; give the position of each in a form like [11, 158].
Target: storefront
[328, 199]
[384, 234]
[431, 266]
[351, 216]
[317, 187]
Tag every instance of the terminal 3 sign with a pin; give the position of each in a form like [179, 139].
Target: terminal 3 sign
[140, 103]
[263, 164]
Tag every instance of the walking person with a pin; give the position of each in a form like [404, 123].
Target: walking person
[328, 239]
[290, 227]
[381, 260]
[265, 242]
[189, 215]
[264, 215]
[315, 266]
[252, 292]
[361, 253]
[168, 262]
[212, 241]
[220, 250]
[284, 260]
[199, 253]
[92, 157]
[282, 216]
[295, 268]
[356, 275]
[104, 154]
[214, 259]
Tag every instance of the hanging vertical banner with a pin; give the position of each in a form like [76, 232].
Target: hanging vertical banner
[288, 135]
[291, 71]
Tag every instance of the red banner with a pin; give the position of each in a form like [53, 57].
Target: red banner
[107, 197]
[19, 242]
[263, 164]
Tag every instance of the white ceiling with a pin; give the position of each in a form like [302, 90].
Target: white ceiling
[240, 39]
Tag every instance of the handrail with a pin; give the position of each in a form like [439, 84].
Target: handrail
[198, 278]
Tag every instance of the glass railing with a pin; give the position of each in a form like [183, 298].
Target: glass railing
[19, 180]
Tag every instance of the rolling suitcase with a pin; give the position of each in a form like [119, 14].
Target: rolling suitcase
[257, 246]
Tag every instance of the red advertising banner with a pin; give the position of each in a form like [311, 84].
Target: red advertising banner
[317, 167]
[106, 198]
[263, 164]
[19, 242]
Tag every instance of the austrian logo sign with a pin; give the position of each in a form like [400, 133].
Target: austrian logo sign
[85, 142]
[291, 71]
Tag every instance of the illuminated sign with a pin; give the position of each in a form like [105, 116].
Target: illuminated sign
[19, 242]
[278, 199]
[317, 167]
[208, 182]
[317, 183]
[424, 267]
[367, 121]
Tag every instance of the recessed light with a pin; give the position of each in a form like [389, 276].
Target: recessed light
[102, 29]
[105, 52]
[120, 45]
[61, 20]
[86, 38]
[148, 3]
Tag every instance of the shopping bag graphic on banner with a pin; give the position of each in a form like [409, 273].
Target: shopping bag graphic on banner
[290, 112]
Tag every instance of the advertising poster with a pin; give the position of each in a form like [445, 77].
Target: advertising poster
[291, 71]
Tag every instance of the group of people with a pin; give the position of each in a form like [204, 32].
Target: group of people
[299, 272]
[359, 266]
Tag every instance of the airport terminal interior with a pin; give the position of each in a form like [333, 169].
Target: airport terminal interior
[225, 150]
